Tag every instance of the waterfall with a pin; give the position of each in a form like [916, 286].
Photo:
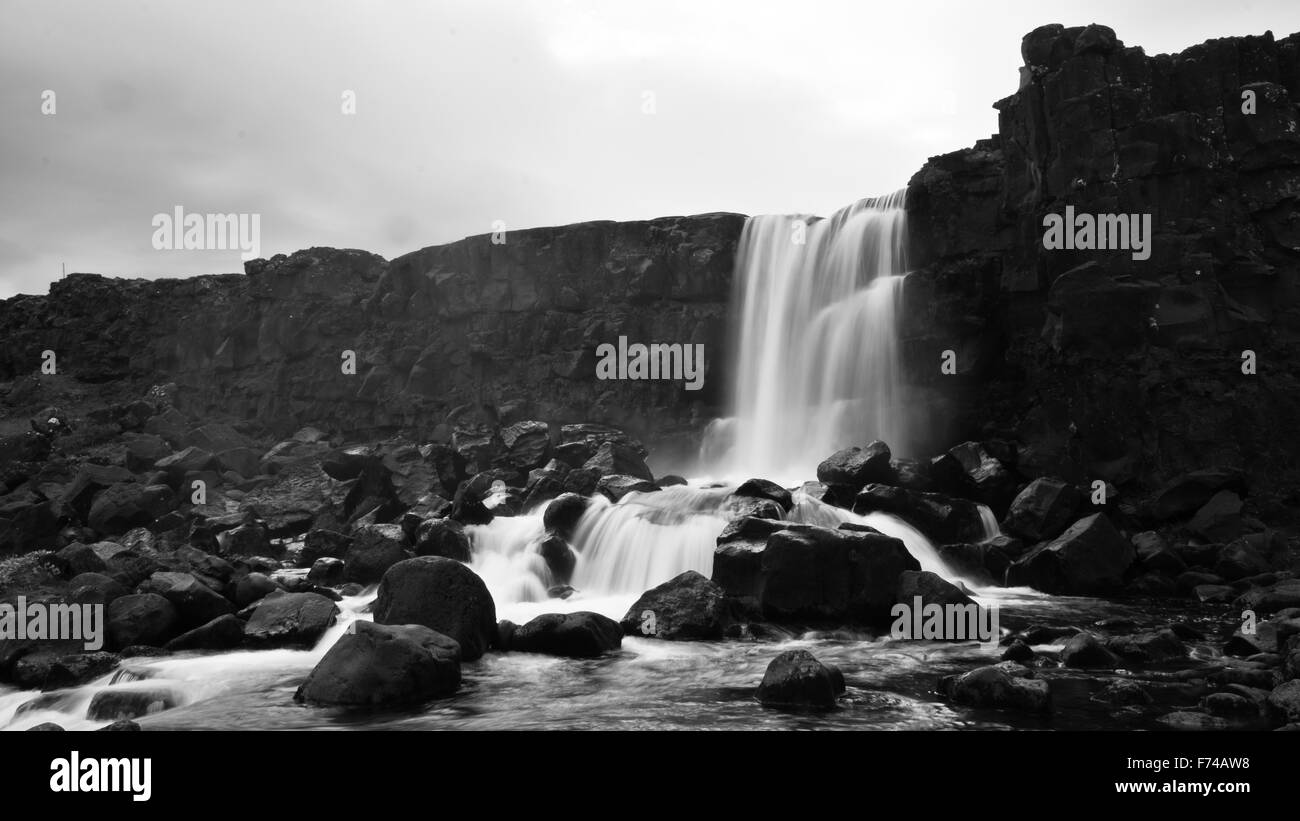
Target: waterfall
[817, 369]
[817, 360]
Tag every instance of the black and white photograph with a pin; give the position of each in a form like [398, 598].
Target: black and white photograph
[618, 368]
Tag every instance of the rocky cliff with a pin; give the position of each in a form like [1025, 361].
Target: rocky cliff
[1092, 364]
[503, 330]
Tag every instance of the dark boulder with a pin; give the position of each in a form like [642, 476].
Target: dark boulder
[375, 548]
[442, 537]
[686, 607]
[994, 687]
[290, 619]
[379, 665]
[856, 467]
[195, 602]
[797, 679]
[1042, 510]
[563, 514]
[443, 595]
[944, 519]
[1090, 557]
[222, 633]
[572, 635]
[142, 618]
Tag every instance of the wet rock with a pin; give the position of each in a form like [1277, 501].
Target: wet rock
[115, 704]
[252, 588]
[1188, 720]
[380, 665]
[1148, 648]
[970, 471]
[993, 687]
[77, 558]
[326, 571]
[563, 514]
[290, 619]
[323, 543]
[80, 668]
[857, 467]
[1085, 651]
[443, 595]
[930, 588]
[442, 537]
[1187, 493]
[797, 679]
[95, 588]
[222, 633]
[1272, 599]
[1088, 558]
[195, 602]
[573, 635]
[121, 507]
[143, 618]
[249, 539]
[814, 574]
[560, 559]
[1230, 705]
[617, 486]
[763, 489]
[375, 548]
[1124, 692]
[943, 519]
[1239, 560]
[613, 459]
[684, 608]
[1018, 651]
[1042, 510]
[47, 726]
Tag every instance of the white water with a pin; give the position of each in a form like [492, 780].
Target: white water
[818, 365]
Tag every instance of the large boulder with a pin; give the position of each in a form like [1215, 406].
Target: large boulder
[612, 458]
[384, 664]
[856, 467]
[804, 573]
[195, 602]
[443, 595]
[944, 519]
[222, 633]
[442, 537]
[563, 514]
[573, 635]
[796, 678]
[684, 608]
[738, 557]
[969, 470]
[141, 619]
[123, 506]
[1042, 510]
[291, 619]
[616, 486]
[998, 687]
[374, 549]
[1088, 558]
[763, 489]
[527, 445]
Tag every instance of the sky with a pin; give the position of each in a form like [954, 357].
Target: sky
[467, 117]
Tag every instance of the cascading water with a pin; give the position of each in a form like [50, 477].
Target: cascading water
[817, 369]
[818, 362]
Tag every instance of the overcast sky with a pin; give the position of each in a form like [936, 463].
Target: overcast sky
[531, 113]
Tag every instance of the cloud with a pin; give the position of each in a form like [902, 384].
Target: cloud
[472, 112]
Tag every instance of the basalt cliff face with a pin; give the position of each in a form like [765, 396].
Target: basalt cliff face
[1080, 364]
[1092, 364]
[468, 330]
